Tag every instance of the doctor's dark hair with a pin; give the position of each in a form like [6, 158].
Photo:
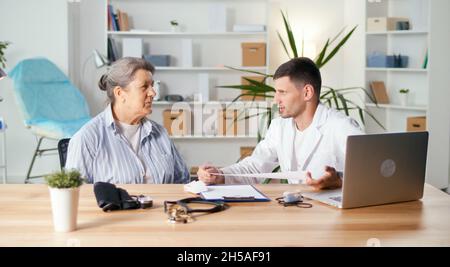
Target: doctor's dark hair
[121, 73]
[301, 71]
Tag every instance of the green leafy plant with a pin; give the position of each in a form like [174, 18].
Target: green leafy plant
[333, 97]
[174, 23]
[64, 179]
[3, 46]
[403, 91]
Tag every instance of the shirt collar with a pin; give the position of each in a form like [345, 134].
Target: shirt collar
[147, 124]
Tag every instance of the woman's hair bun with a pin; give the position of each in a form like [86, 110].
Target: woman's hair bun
[102, 82]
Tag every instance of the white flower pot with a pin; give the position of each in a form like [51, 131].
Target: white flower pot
[404, 99]
[64, 208]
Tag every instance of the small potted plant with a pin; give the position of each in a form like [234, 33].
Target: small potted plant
[174, 25]
[64, 189]
[404, 96]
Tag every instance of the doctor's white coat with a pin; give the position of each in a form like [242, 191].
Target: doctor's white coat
[324, 144]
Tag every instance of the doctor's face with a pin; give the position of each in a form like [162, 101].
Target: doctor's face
[289, 98]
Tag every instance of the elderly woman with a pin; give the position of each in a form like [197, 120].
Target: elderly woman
[121, 145]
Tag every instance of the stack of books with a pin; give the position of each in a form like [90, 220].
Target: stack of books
[117, 21]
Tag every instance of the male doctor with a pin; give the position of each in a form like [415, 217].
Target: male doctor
[308, 136]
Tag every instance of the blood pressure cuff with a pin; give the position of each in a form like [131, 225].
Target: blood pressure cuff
[109, 197]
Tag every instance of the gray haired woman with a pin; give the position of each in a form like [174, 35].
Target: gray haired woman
[121, 145]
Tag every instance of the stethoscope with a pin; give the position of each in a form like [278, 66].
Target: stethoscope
[293, 199]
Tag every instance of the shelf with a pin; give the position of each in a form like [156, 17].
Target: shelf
[412, 32]
[389, 106]
[168, 34]
[397, 69]
[264, 68]
[211, 137]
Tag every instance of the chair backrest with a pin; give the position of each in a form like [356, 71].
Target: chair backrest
[63, 146]
[44, 92]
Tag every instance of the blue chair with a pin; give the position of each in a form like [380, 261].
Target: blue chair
[52, 106]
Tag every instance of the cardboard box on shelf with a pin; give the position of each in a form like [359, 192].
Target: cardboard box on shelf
[227, 122]
[177, 123]
[379, 24]
[245, 82]
[253, 54]
[416, 124]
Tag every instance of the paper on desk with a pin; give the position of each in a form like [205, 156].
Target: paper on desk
[297, 175]
[219, 192]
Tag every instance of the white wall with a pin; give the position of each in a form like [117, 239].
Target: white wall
[35, 28]
[438, 117]
[316, 21]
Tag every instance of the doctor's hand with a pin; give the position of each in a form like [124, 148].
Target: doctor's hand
[205, 175]
[330, 180]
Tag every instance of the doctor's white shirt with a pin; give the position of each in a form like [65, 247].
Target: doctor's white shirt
[322, 143]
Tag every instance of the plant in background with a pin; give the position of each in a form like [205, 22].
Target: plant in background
[64, 179]
[333, 97]
[3, 46]
[174, 24]
[403, 96]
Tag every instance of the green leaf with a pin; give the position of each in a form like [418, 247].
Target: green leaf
[64, 179]
[290, 35]
[284, 44]
[321, 55]
[250, 71]
[262, 85]
[336, 49]
[344, 103]
[337, 35]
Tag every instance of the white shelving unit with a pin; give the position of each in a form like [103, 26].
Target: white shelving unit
[212, 52]
[413, 43]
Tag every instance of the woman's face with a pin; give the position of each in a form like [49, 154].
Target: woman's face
[138, 95]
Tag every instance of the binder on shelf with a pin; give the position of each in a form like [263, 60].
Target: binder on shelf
[123, 20]
[379, 92]
[112, 18]
[112, 52]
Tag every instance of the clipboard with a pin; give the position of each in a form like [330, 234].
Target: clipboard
[234, 193]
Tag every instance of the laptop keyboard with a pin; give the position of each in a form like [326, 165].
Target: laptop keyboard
[337, 199]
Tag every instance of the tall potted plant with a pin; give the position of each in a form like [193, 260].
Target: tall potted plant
[64, 190]
[333, 97]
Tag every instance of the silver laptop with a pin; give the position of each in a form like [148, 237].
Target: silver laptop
[380, 169]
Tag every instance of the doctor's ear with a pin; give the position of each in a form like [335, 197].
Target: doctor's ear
[308, 92]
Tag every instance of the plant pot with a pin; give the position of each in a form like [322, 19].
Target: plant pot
[175, 28]
[64, 208]
[404, 99]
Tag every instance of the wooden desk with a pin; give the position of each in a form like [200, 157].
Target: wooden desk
[25, 220]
